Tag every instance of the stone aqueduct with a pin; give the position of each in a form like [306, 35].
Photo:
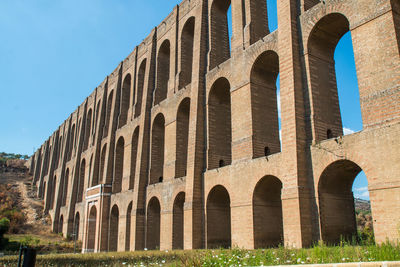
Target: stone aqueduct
[179, 147]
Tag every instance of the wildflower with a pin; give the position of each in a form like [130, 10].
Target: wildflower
[163, 261]
[298, 260]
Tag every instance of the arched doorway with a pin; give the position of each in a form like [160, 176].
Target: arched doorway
[153, 224]
[76, 227]
[128, 228]
[267, 213]
[336, 201]
[91, 235]
[177, 221]
[218, 218]
[113, 230]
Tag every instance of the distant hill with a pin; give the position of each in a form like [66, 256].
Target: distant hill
[362, 205]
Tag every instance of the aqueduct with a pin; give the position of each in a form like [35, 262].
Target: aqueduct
[180, 147]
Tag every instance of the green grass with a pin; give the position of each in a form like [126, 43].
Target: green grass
[222, 257]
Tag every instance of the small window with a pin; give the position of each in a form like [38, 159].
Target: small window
[267, 151]
[221, 163]
[329, 134]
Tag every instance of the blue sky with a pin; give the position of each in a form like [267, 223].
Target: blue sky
[53, 54]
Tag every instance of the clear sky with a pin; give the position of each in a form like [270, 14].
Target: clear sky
[53, 54]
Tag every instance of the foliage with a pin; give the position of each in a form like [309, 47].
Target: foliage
[320, 253]
[9, 207]
[6, 156]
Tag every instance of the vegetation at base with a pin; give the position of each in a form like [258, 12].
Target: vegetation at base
[320, 253]
[6, 156]
[9, 207]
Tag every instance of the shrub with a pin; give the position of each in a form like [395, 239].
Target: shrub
[4, 226]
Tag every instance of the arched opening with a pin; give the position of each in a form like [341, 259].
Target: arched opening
[128, 228]
[182, 137]
[187, 40]
[323, 79]
[140, 87]
[53, 192]
[43, 190]
[59, 151]
[113, 231]
[96, 120]
[157, 149]
[272, 15]
[336, 201]
[60, 224]
[134, 150]
[102, 164]
[119, 165]
[125, 98]
[71, 142]
[219, 124]
[219, 32]
[76, 227]
[87, 129]
[264, 104]
[153, 224]
[108, 114]
[81, 181]
[218, 218]
[177, 222]
[90, 175]
[65, 189]
[91, 236]
[163, 65]
[267, 213]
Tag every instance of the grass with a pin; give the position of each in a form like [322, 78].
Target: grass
[223, 257]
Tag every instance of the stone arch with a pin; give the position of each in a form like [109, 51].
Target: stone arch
[125, 98]
[140, 88]
[88, 129]
[336, 201]
[163, 67]
[267, 213]
[58, 161]
[96, 120]
[177, 221]
[157, 149]
[187, 41]
[108, 114]
[153, 224]
[321, 45]
[91, 235]
[264, 105]
[134, 152]
[71, 142]
[113, 230]
[219, 33]
[128, 227]
[76, 226]
[102, 165]
[81, 183]
[219, 125]
[182, 137]
[53, 192]
[65, 189]
[60, 224]
[43, 190]
[119, 165]
[218, 218]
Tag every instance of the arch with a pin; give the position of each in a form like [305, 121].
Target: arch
[96, 120]
[128, 227]
[119, 165]
[157, 149]
[336, 201]
[182, 137]
[153, 224]
[267, 213]
[60, 224]
[88, 129]
[65, 188]
[219, 124]
[264, 105]
[43, 190]
[322, 42]
[108, 114]
[219, 32]
[218, 218]
[134, 152]
[58, 161]
[140, 87]
[71, 142]
[90, 172]
[125, 98]
[113, 230]
[177, 221]
[91, 235]
[187, 41]
[81, 181]
[163, 67]
[76, 226]
[102, 165]
[53, 192]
